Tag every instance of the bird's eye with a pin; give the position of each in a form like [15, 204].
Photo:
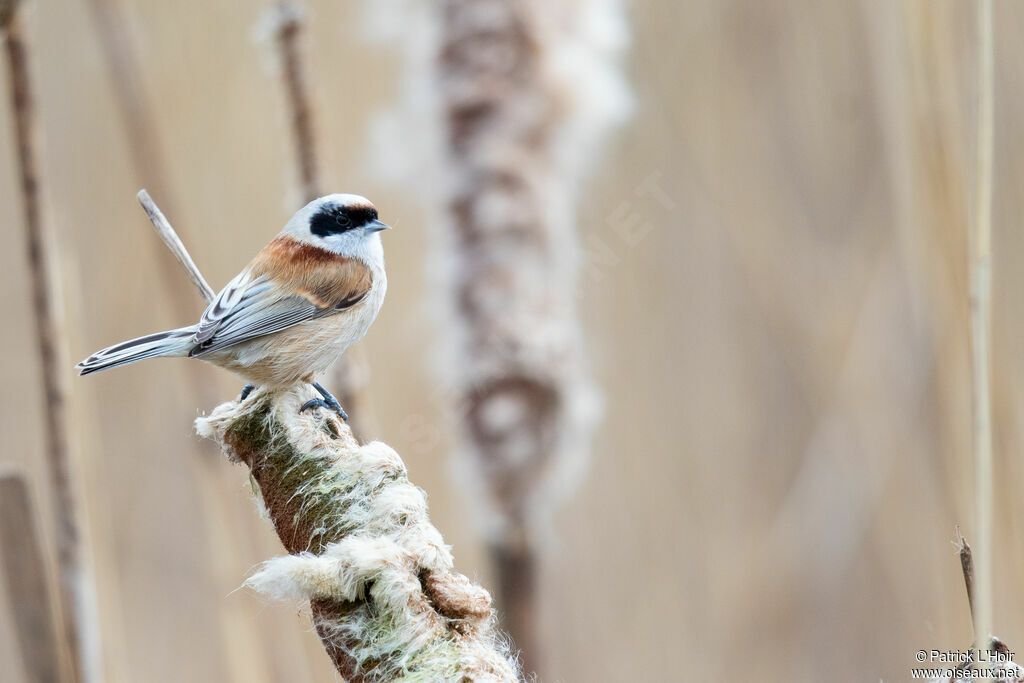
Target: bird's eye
[343, 221]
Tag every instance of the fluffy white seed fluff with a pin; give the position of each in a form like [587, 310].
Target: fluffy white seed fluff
[411, 617]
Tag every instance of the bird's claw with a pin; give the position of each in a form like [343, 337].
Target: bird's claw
[328, 401]
[320, 403]
[313, 403]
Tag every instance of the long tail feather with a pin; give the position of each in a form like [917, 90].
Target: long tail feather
[170, 343]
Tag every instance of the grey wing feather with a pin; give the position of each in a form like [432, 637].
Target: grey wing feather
[256, 310]
[241, 291]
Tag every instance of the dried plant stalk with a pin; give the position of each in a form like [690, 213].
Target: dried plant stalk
[966, 566]
[386, 600]
[74, 587]
[174, 243]
[1002, 670]
[980, 238]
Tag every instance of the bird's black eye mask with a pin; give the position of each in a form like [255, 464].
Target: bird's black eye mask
[335, 220]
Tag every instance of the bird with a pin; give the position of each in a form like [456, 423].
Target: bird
[306, 297]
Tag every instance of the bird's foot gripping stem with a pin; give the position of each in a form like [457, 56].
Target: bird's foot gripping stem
[328, 401]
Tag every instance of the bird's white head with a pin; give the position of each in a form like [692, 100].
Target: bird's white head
[345, 224]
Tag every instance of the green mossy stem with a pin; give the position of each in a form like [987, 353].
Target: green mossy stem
[385, 598]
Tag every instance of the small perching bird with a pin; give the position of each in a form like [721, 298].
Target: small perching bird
[293, 311]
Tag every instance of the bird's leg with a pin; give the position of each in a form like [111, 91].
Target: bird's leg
[246, 390]
[331, 400]
[328, 401]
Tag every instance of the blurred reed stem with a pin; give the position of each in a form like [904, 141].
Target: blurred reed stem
[73, 585]
[966, 566]
[24, 571]
[980, 241]
[287, 20]
[516, 568]
[288, 37]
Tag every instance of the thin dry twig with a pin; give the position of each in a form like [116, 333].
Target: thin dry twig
[72, 584]
[170, 238]
[980, 238]
[967, 565]
[1009, 669]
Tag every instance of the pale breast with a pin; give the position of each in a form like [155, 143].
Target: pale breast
[309, 348]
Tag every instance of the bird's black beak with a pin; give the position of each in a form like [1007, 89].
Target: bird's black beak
[376, 226]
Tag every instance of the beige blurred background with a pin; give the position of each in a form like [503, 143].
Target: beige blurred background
[784, 356]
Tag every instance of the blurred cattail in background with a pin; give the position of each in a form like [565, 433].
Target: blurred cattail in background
[524, 95]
